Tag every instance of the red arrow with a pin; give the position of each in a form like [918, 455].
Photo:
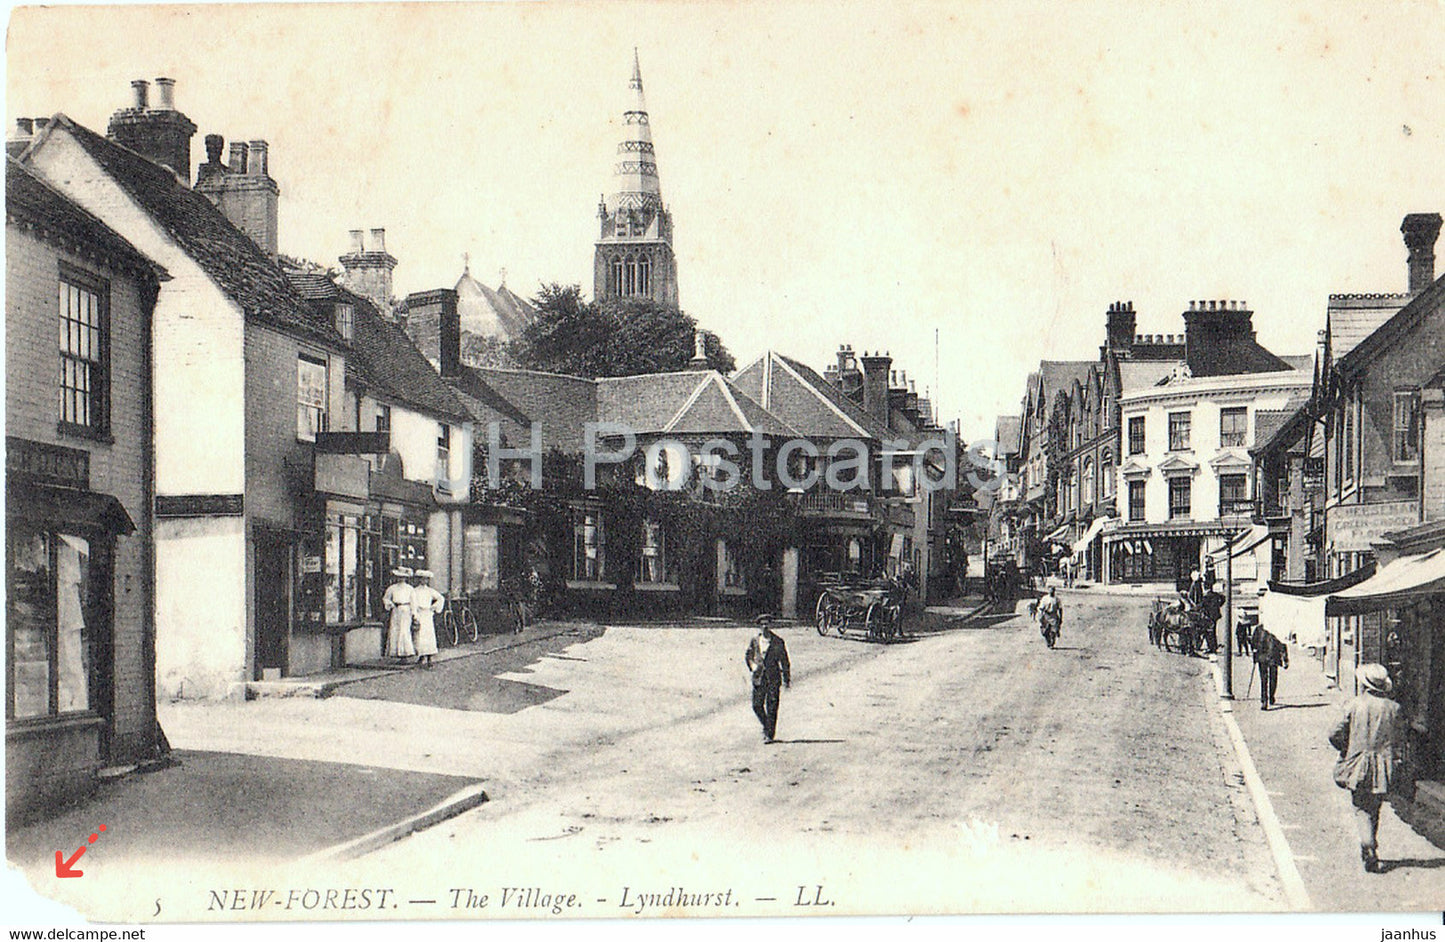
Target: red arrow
[63, 867]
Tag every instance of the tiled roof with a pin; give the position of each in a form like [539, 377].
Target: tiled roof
[690, 403]
[52, 214]
[235, 263]
[1060, 376]
[1304, 362]
[381, 357]
[1351, 318]
[1268, 423]
[1426, 303]
[1008, 432]
[561, 405]
[1134, 374]
[1243, 355]
[805, 401]
[491, 313]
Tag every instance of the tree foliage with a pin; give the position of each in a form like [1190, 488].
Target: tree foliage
[610, 337]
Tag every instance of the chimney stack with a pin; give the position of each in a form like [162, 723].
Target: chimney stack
[159, 133]
[368, 271]
[1420, 231]
[1119, 327]
[875, 384]
[243, 189]
[434, 325]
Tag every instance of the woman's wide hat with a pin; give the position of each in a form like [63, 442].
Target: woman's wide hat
[1375, 678]
[402, 571]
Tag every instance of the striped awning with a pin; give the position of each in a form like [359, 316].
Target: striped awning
[1397, 583]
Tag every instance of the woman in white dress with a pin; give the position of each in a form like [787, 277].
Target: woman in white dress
[426, 603]
[398, 601]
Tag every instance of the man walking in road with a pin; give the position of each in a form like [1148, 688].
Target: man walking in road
[767, 660]
[1270, 654]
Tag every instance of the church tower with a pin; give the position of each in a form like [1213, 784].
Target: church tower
[634, 250]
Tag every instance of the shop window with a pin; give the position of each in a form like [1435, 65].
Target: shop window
[48, 622]
[588, 546]
[353, 569]
[1406, 439]
[310, 397]
[1180, 494]
[84, 352]
[413, 543]
[654, 566]
[1136, 501]
[1179, 431]
[1233, 431]
[481, 557]
[1136, 435]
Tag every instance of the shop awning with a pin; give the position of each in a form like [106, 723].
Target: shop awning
[1082, 543]
[1243, 543]
[1058, 534]
[1397, 583]
[61, 506]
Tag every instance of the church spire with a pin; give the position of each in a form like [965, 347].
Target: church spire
[634, 256]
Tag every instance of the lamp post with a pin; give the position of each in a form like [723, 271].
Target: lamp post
[1228, 693]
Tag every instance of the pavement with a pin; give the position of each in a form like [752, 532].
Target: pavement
[1289, 748]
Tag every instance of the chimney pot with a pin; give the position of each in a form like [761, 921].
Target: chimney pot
[41, 124]
[238, 157]
[214, 145]
[142, 94]
[256, 160]
[357, 247]
[166, 94]
[378, 240]
[24, 126]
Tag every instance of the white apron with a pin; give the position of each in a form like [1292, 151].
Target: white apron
[397, 600]
[426, 602]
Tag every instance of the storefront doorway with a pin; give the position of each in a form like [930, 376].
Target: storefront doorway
[273, 603]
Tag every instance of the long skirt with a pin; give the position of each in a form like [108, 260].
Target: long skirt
[398, 635]
[425, 634]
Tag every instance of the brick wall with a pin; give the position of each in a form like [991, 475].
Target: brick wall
[118, 468]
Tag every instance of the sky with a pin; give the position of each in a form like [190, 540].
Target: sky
[965, 184]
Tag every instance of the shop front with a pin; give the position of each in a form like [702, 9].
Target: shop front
[61, 625]
[1399, 618]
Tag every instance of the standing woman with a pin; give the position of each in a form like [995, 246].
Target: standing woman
[397, 601]
[1370, 741]
[426, 602]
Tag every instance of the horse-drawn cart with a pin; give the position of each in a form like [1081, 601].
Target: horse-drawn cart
[872, 608]
[1176, 628]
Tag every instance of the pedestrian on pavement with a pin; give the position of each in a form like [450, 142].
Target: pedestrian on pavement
[1213, 607]
[767, 660]
[426, 604]
[1270, 654]
[1370, 739]
[1242, 630]
[397, 601]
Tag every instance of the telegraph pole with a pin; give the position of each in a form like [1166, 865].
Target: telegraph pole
[1229, 618]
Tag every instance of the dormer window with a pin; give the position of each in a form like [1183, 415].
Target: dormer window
[345, 314]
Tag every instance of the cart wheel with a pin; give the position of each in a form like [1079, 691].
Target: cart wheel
[467, 623]
[823, 614]
[1172, 642]
[449, 626]
[875, 619]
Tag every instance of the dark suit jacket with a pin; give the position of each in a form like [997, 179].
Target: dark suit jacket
[1268, 649]
[772, 667]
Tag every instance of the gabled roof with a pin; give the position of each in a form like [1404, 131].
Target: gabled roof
[491, 313]
[31, 201]
[238, 267]
[1007, 432]
[381, 357]
[1060, 375]
[805, 401]
[560, 405]
[1350, 318]
[1428, 302]
[696, 402]
[1280, 428]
